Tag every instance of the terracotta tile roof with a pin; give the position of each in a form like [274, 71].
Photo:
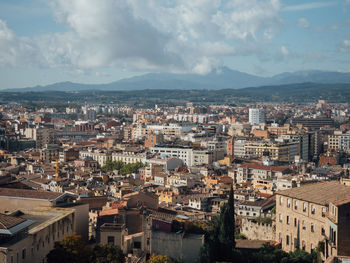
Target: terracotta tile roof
[24, 193]
[7, 222]
[320, 193]
[110, 211]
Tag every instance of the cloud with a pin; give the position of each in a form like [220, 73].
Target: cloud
[16, 51]
[307, 6]
[303, 22]
[345, 46]
[178, 36]
[285, 51]
[248, 19]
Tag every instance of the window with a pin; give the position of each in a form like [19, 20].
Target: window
[24, 253]
[313, 209]
[304, 207]
[303, 245]
[296, 205]
[322, 231]
[281, 200]
[323, 211]
[288, 203]
[312, 227]
[287, 220]
[304, 225]
[295, 221]
[137, 244]
[281, 218]
[287, 240]
[110, 240]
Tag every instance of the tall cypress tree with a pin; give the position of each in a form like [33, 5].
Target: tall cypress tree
[227, 228]
[220, 241]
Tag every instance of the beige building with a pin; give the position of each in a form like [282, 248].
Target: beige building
[32, 221]
[28, 235]
[303, 218]
[283, 152]
[100, 156]
[339, 141]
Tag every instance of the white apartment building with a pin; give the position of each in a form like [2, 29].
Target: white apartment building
[183, 153]
[256, 116]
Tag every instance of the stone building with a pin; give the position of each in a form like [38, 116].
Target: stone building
[309, 214]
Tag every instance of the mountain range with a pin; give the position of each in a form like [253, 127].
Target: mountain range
[222, 78]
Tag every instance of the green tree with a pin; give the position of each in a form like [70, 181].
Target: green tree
[112, 165]
[220, 240]
[159, 259]
[107, 254]
[227, 224]
[71, 249]
[268, 253]
[130, 168]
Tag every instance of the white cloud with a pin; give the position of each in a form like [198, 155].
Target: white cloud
[345, 47]
[16, 51]
[177, 36]
[308, 6]
[285, 51]
[248, 19]
[303, 22]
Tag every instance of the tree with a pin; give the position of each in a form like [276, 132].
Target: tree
[107, 254]
[220, 240]
[159, 259]
[105, 179]
[71, 249]
[227, 224]
[268, 253]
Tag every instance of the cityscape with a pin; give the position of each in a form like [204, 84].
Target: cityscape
[174, 131]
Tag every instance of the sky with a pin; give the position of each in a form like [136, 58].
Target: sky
[100, 41]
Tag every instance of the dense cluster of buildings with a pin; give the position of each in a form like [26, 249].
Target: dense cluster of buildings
[73, 170]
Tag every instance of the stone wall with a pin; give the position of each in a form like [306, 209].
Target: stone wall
[258, 231]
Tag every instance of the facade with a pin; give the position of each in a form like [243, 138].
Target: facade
[45, 136]
[278, 151]
[256, 116]
[339, 141]
[307, 215]
[40, 219]
[31, 236]
[183, 153]
[99, 156]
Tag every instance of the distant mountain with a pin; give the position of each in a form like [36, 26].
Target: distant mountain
[222, 78]
[315, 76]
[296, 93]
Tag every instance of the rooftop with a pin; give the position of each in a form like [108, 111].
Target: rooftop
[32, 194]
[7, 222]
[320, 193]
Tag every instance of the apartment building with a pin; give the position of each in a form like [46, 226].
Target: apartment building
[32, 221]
[129, 157]
[181, 152]
[278, 151]
[45, 136]
[339, 141]
[100, 156]
[309, 214]
[256, 116]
